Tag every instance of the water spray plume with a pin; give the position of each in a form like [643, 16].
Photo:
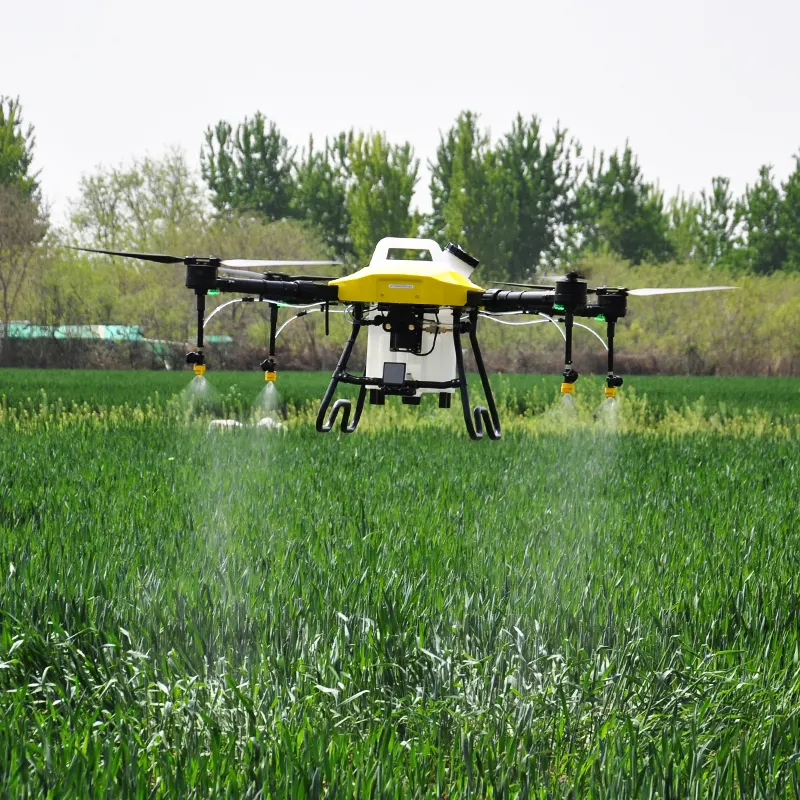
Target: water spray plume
[268, 402]
[200, 396]
[567, 402]
[608, 413]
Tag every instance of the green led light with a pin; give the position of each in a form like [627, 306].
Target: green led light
[600, 318]
[558, 307]
[213, 292]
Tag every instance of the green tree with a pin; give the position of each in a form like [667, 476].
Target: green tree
[761, 212]
[718, 222]
[789, 217]
[473, 202]
[466, 142]
[683, 213]
[619, 210]
[146, 205]
[23, 225]
[16, 149]
[250, 169]
[380, 194]
[542, 177]
[320, 193]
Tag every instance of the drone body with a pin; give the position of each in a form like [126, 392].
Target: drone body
[416, 312]
[410, 336]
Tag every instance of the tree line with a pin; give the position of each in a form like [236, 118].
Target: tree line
[530, 201]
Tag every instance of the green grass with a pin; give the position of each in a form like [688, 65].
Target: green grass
[779, 396]
[398, 613]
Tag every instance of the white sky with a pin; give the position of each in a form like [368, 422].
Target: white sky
[699, 87]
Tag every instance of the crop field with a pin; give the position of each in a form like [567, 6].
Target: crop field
[780, 397]
[584, 609]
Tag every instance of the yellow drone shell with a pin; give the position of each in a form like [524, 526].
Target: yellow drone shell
[425, 283]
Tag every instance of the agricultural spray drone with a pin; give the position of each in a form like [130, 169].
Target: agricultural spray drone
[416, 313]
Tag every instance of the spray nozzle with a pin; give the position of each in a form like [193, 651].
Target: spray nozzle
[197, 360]
[270, 370]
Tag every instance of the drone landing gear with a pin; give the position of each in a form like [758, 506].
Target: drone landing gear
[340, 375]
[480, 414]
[478, 421]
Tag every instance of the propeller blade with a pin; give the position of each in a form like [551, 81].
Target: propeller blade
[686, 290]
[570, 276]
[249, 263]
[281, 276]
[526, 286]
[156, 257]
[241, 273]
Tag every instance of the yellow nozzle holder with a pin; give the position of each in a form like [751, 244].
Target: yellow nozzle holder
[567, 388]
[611, 391]
[199, 369]
[271, 376]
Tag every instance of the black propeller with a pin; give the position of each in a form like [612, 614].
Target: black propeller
[525, 285]
[234, 265]
[158, 258]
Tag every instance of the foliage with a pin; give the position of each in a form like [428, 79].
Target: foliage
[761, 209]
[472, 202]
[320, 193]
[619, 210]
[379, 198]
[513, 204]
[23, 225]
[789, 217]
[719, 218]
[543, 179]
[137, 207]
[248, 170]
[30, 390]
[176, 623]
[16, 149]
[683, 214]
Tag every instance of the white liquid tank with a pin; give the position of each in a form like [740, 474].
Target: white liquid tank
[437, 358]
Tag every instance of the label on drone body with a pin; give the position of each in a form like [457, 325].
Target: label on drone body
[401, 285]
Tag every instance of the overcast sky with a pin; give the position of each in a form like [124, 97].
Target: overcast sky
[699, 87]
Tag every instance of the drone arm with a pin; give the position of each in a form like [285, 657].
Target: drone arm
[506, 300]
[292, 291]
